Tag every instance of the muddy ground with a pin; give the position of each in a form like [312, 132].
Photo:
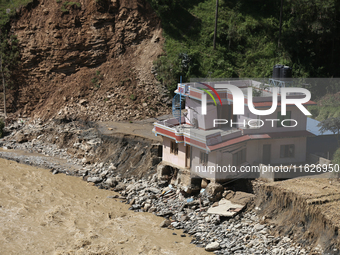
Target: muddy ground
[41, 213]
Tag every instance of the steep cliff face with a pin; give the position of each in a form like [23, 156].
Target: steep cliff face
[89, 59]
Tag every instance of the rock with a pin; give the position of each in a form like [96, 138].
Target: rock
[21, 138]
[104, 173]
[120, 186]
[85, 161]
[147, 206]
[153, 190]
[83, 102]
[111, 181]
[214, 191]
[275, 251]
[132, 201]
[259, 227]
[204, 183]
[241, 198]
[94, 179]
[152, 209]
[165, 224]
[175, 224]
[212, 246]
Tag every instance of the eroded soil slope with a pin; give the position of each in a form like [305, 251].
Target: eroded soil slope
[88, 60]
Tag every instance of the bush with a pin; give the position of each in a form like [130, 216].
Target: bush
[336, 160]
[2, 125]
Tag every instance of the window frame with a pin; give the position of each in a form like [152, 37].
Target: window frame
[239, 157]
[285, 151]
[174, 148]
[204, 158]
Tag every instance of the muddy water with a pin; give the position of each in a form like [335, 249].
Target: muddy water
[41, 213]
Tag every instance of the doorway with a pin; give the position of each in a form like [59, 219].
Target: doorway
[266, 154]
[187, 156]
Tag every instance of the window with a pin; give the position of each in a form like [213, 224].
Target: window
[204, 158]
[174, 148]
[284, 117]
[287, 151]
[239, 157]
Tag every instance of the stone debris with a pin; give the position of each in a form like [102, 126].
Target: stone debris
[213, 246]
[225, 208]
[201, 215]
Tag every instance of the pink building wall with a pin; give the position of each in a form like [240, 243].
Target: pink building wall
[178, 160]
[254, 153]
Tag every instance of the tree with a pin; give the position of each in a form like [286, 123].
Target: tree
[331, 124]
[9, 58]
[2, 125]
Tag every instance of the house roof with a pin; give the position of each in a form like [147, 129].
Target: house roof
[276, 135]
[312, 126]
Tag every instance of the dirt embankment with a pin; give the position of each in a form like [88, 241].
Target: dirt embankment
[83, 145]
[88, 60]
[305, 209]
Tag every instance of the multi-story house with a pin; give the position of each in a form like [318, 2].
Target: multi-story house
[213, 142]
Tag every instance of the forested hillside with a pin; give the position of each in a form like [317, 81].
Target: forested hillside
[247, 38]
[247, 43]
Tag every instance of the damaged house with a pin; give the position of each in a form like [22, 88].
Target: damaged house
[217, 131]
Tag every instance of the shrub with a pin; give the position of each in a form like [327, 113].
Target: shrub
[336, 157]
[336, 161]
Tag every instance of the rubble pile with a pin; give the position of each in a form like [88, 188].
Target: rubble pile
[243, 234]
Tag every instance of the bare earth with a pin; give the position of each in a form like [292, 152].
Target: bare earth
[41, 213]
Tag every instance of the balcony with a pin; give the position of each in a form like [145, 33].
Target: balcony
[197, 137]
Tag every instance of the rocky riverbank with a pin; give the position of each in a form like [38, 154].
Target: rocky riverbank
[77, 149]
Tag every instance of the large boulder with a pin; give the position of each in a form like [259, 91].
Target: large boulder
[214, 191]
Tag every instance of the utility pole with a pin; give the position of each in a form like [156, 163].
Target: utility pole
[3, 78]
[216, 18]
[278, 43]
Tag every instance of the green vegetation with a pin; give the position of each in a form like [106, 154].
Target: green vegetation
[2, 125]
[9, 54]
[328, 107]
[96, 80]
[65, 8]
[7, 8]
[247, 38]
[336, 157]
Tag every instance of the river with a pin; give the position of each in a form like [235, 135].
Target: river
[41, 213]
